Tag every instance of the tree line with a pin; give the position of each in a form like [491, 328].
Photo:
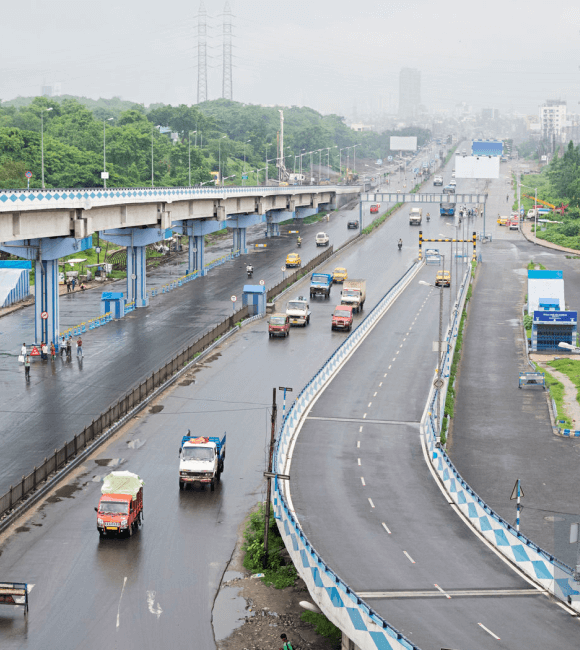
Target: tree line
[215, 135]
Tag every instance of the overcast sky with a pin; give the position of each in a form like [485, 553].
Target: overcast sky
[330, 55]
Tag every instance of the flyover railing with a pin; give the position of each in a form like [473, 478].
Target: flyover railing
[332, 594]
[86, 197]
[543, 568]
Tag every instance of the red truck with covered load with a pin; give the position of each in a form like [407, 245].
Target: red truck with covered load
[120, 509]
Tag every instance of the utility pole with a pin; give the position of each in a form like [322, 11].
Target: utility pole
[201, 54]
[227, 83]
[269, 490]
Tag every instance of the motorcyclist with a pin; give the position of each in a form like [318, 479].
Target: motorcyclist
[428, 217]
[299, 241]
[400, 244]
[249, 270]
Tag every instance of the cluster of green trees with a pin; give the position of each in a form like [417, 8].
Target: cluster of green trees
[559, 183]
[215, 135]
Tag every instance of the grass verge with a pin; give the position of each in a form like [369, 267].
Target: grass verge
[556, 389]
[449, 409]
[570, 368]
[277, 573]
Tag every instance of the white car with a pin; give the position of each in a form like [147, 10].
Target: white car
[322, 239]
[453, 182]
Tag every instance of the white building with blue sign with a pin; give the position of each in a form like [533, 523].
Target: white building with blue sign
[552, 322]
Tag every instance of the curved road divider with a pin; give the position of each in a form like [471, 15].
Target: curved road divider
[542, 568]
[334, 597]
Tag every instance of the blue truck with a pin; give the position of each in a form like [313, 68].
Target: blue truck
[201, 460]
[446, 210]
[320, 285]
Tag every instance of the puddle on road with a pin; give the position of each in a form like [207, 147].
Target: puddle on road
[135, 444]
[109, 462]
[157, 408]
[230, 609]
[64, 492]
[22, 529]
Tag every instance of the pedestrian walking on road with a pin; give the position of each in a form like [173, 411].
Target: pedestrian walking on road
[52, 352]
[507, 198]
[68, 285]
[79, 347]
[23, 350]
[74, 281]
[62, 346]
[44, 351]
[68, 348]
[27, 367]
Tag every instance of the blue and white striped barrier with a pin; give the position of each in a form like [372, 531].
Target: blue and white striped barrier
[570, 433]
[334, 597]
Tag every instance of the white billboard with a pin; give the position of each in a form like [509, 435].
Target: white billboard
[399, 143]
[476, 167]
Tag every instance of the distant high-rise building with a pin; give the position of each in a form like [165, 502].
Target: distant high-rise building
[553, 119]
[409, 92]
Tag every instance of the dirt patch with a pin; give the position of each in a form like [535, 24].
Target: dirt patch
[571, 405]
[268, 612]
[157, 408]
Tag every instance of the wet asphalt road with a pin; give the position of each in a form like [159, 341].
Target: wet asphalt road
[174, 564]
[501, 433]
[401, 533]
[64, 397]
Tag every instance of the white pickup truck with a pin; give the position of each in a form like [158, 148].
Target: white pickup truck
[322, 239]
[299, 311]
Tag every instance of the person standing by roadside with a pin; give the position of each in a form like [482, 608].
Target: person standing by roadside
[52, 352]
[62, 346]
[44, 351]
[68, 285]
[79, 347]
[74, 281]
[27, 367]
[23, 350]
[68, 348]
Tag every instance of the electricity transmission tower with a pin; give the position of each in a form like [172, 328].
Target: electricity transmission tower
[201, 54]
[227, 82]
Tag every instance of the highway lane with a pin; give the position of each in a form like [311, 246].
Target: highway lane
[370, 507]
[62, 398]
[174, 564]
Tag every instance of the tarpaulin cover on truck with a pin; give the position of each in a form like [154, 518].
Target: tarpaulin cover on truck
[122, 483]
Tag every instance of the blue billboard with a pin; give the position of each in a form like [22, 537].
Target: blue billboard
[555, 316]
[487, 148]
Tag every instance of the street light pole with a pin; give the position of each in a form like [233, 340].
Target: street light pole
[354, 157]
[105, 152]
[42, 140]
[152, 172]
[245, 143]
[189, 151]
[220, 158]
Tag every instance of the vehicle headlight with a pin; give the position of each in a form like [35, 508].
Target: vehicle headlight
[99, 522]
[183, 473]
[123, 522]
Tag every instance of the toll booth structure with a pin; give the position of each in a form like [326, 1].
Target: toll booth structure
[254, 297]
[549, 328]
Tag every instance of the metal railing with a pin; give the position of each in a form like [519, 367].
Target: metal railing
[117, 411]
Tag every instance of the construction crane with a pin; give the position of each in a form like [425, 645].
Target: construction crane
[549, 205]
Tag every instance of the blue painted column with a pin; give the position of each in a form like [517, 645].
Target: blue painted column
[136, 241]
[200, 255]
[191, 255]
[272, 230]
[235, 239]
[45, 253]
[46, 300]
[242, 242]
[137, 275]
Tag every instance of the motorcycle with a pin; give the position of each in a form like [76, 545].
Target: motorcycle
[400, 245]
[428, 218]
[299, 243]
[249, 271]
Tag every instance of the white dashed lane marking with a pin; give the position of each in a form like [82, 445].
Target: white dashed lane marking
[489, 631]
[370, 403]
[362, 480]
[358, 460]
[441, 590]
[360, 430]
[371, 502]
[386, 527]
[409, 557]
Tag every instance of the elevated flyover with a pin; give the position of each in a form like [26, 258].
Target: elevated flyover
[369, 526]
[45, 225]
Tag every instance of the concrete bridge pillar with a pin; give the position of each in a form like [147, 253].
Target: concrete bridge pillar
[45, 253]
[272, 230]
[136, 241]
[239, 223]
[239, 241]
[199, 245]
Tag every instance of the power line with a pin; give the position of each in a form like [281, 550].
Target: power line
[201, 54]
